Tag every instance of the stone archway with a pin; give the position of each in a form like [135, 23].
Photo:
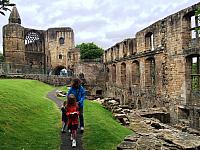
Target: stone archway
[56, 70]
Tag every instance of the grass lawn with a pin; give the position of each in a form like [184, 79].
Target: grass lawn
[28, 120]
[102, 132]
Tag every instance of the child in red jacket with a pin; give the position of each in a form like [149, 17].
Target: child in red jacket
[73, 115]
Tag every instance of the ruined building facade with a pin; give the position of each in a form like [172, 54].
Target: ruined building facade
[35, 51]
[160, 67]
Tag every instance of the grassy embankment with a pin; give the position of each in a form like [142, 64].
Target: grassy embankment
[28, 120]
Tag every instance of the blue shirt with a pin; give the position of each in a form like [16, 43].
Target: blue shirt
[79, 94]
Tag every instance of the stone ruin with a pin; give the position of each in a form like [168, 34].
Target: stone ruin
[33, 51]
[154, 74]
[159, 67]
[152, 129]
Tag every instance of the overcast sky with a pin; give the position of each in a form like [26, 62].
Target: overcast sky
[103, 22]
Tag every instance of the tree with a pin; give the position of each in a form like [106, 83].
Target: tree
[4, 4]
[197, 14]
[1, 57]
[90, 51]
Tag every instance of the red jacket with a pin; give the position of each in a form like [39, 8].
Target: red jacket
[72, 114]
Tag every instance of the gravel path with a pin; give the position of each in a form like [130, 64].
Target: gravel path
[65, 137]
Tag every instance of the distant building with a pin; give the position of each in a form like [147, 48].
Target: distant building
[36, 51]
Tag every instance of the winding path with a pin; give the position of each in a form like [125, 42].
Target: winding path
[65, 137]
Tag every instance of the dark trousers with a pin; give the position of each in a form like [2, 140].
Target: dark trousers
[81, 117]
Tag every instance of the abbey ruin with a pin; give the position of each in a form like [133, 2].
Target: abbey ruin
[36, 51]
[159, 67]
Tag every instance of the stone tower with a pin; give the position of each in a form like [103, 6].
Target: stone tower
[59, 41]
[13, 41]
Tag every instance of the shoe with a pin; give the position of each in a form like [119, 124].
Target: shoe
[71, 138]
[74, 143]
[69, 131]
[82, 129]
[63, 131]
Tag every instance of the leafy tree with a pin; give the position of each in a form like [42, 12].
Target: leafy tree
[90, 51]
[4, 4]
[1, 57]
[197, 14]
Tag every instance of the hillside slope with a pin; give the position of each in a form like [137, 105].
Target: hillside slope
[28, 120]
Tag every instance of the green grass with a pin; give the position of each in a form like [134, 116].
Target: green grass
[102, 132]
[28, 120]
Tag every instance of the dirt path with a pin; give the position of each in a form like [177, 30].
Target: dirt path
[65, 137]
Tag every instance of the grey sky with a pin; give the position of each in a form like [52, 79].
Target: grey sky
[104, 22]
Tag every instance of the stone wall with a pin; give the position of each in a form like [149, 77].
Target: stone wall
[58, 43]
[52, 80]
[155, 70]
[43, 50]
[94, 74]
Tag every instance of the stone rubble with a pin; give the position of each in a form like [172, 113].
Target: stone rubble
[61, 93]
[151, 132]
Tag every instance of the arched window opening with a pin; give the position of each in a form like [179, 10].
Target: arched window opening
[130, 47]
[117, 52]
[107, 74]
[31, 64]
[61, 40]
[193, 79]
[33, 41]
[60, 56]
[114, 73]
[150, 72]
[135, 72]
[195, 23]
[99, 92]
[195, 74]
[32, 37]
[111, 54]
[123, 73]
[125, 48]
[139, 104]
[149, 41]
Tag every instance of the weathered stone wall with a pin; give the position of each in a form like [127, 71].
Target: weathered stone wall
[73, 57]
[157, 70]
[37, 49]
[59, 49]
[89, 69]
[13, 44]
[52, 80]
[93, 73]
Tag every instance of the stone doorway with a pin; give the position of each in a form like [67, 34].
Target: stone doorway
[57, 70]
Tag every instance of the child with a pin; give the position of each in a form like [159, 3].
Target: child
[72, 114]
[64, 116]
[79, 93]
